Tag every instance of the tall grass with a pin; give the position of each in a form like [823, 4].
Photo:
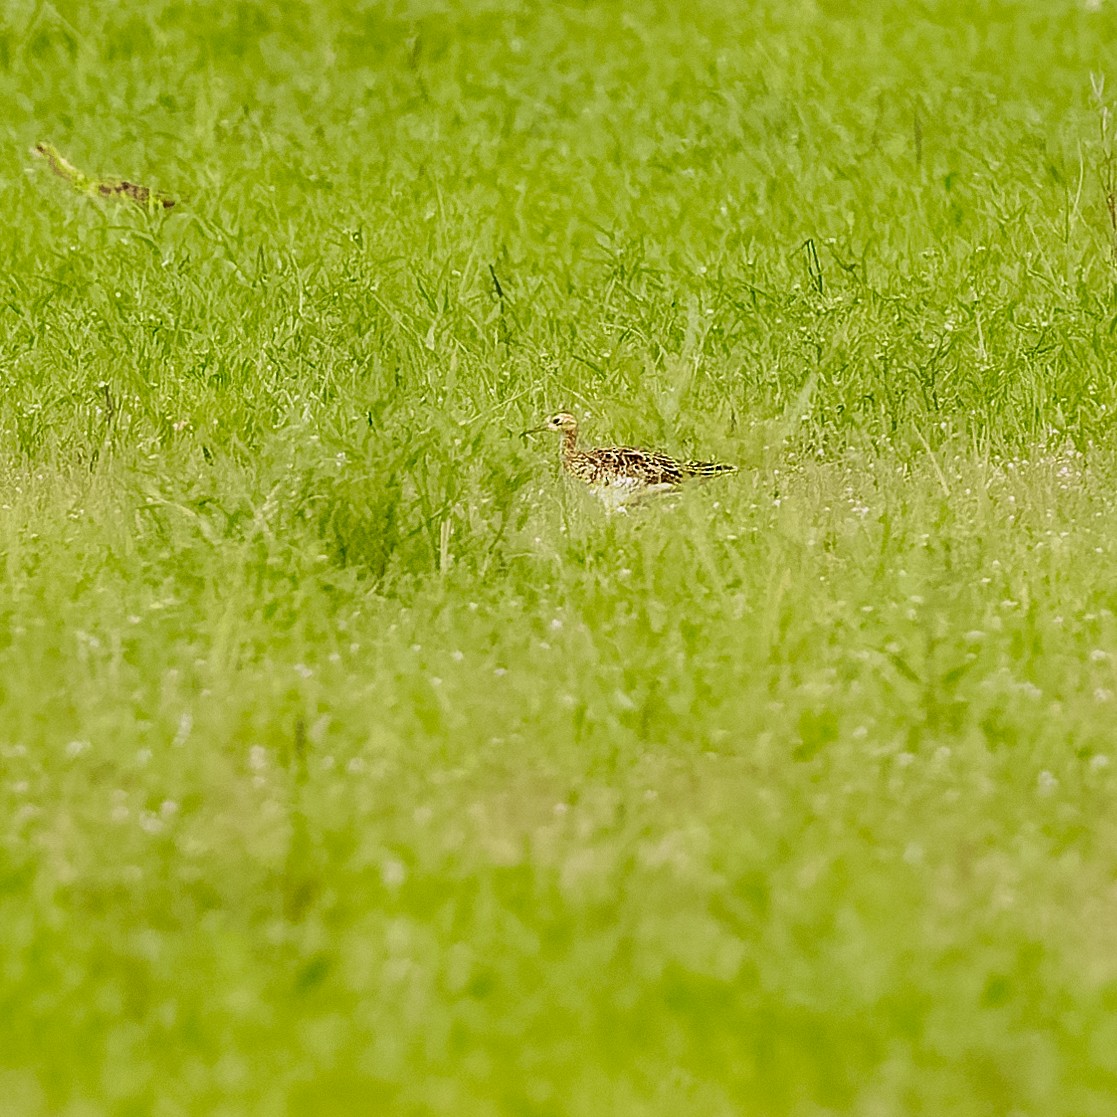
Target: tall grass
[353, 761]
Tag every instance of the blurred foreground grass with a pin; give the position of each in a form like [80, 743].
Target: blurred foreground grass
[350, 762]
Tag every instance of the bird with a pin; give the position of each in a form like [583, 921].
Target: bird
[620, 474]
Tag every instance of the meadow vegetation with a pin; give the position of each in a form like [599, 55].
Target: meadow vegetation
[352, 761]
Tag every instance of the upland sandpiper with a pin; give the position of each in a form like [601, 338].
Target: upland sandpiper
[620, 474]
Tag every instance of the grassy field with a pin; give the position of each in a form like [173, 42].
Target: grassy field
[352, 761]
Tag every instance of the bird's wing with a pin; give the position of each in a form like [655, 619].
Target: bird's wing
[642, 466]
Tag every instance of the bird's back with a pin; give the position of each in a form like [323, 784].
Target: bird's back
[624, 465]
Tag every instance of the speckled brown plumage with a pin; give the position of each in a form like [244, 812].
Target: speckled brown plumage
[619, 473]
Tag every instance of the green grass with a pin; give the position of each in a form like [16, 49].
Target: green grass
[353, 762]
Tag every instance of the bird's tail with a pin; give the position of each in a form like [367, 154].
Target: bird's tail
[706, 469]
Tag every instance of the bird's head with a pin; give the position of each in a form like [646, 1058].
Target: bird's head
[563, 421]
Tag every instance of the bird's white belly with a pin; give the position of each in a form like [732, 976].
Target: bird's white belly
[616, 492]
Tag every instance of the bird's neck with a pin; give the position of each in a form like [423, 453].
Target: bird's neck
[566, 448]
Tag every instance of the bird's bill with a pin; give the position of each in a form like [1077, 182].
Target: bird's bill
[534, 430]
